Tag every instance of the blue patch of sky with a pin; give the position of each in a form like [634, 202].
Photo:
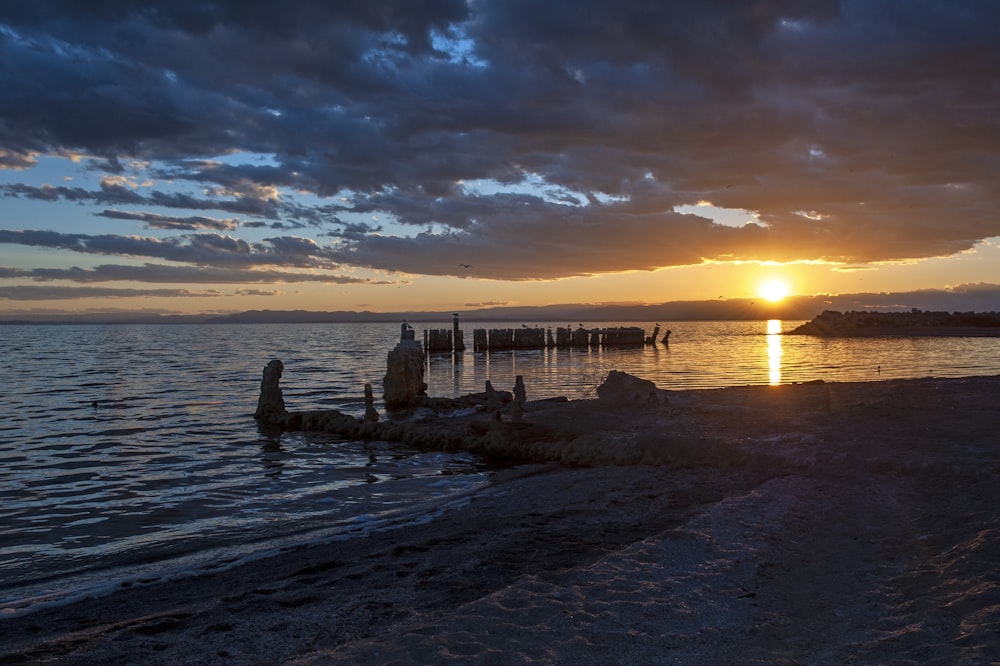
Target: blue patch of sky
[22, 212]
[535, 185]
[458, 46]
[531, 184]
[244, 158]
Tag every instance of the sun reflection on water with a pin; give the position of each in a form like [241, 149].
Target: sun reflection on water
[774, 351]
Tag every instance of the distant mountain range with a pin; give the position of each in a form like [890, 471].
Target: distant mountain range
[975, 298]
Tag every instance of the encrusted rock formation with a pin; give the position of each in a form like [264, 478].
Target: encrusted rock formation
[490, 425]
[404, 384]
[623, 388]
[271, 404]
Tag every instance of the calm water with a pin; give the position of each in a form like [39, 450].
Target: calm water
[168, 473]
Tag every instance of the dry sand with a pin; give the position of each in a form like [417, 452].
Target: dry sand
[822, 523]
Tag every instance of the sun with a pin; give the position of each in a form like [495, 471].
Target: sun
[773, 290]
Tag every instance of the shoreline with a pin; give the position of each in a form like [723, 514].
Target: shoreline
[809, 522]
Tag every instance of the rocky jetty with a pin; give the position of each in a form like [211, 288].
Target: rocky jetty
[834, 324]
[501, 425]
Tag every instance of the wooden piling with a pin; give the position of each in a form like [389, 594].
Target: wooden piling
[499, 339]
[438, 340]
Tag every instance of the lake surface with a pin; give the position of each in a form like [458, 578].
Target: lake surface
[129, 453]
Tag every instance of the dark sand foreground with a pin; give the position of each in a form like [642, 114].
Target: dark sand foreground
[822, 523]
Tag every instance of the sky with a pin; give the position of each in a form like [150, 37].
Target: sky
[390, 155]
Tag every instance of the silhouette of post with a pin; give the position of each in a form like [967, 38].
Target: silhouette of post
[457, 334]
[404, 384]
[271, 403]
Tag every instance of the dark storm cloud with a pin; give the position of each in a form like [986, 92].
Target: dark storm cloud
[860, 130]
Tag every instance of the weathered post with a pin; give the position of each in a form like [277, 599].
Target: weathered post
[520, 397]
[501, 338]
[564, 336]
[479, 340]
[492, 399]
[404, 384]
[457, 334]
[371, 416]
[438, 340]
[271, 404]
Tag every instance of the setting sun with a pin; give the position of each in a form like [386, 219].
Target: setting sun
[773, 290]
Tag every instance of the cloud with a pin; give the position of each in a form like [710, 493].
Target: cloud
[171, 274]
[156, 221]
[54, 293]
[965, 297]
[116, 193]
[201, 249]
[488, 304]
[257, 292]
[858, 131]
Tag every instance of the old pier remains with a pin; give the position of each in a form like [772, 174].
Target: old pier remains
[496, 339]
[444, 339]
[528, 337]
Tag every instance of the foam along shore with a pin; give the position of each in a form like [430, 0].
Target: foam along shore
[811, 523]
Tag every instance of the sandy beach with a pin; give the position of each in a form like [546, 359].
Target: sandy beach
[810, 523]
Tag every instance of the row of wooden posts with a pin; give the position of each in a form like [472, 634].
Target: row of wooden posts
[446, 340]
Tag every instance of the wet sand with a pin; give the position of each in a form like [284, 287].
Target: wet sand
[821, 523]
